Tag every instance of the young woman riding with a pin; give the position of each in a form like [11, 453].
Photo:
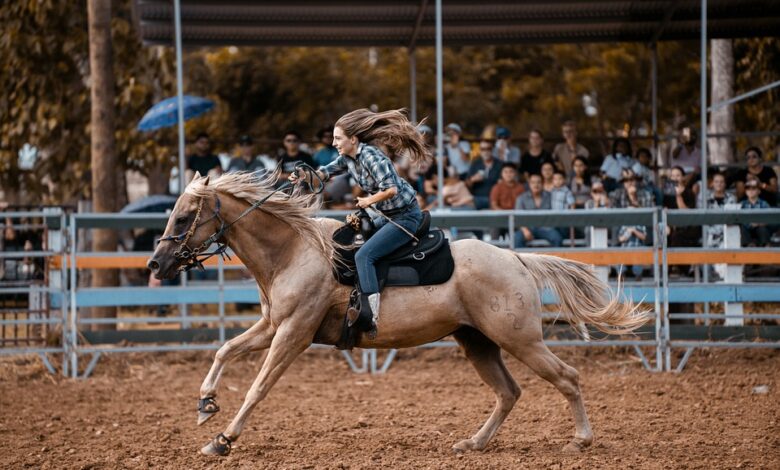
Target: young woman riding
[362, 137]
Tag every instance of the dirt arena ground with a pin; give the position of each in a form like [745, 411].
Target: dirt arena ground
[139, 412]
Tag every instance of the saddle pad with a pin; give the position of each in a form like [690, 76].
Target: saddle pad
[425, 263]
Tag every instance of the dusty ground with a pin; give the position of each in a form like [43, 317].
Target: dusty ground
[139, 412]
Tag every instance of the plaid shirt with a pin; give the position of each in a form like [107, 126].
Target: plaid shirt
[373, 172]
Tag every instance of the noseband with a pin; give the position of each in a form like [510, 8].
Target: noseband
[189, 258]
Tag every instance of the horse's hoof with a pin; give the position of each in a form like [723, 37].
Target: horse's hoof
[220, 445]
[576, 446]
[207, 407]
[203, 417]
[466, 445]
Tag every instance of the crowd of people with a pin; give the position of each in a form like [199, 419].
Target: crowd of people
[494, 173]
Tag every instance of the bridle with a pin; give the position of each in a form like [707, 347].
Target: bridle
[189, 258]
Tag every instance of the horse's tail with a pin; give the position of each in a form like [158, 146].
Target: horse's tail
[584, 298]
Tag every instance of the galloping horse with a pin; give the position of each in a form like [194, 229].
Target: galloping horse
[492, 302]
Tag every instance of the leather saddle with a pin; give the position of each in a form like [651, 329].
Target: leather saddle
[422, 263]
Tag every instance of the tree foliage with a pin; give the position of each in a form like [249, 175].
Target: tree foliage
[266, 91]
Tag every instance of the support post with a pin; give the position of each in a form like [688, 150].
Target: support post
[413, 85]
[439, 110]
[654, 101]
[180, 104]
[703, 104]
[599, 239]
[732, 239]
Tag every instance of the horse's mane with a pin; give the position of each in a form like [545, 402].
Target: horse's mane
[295, 209]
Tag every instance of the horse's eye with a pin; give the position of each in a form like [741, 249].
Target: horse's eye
[180, 220]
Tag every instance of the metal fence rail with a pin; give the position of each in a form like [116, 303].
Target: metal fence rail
[662, 336]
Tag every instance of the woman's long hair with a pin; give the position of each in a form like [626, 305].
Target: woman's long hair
[391, 130]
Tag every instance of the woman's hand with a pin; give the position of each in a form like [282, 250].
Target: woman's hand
[296, 175]
[364, 202]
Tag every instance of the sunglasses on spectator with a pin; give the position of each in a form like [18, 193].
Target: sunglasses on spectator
[485, 149]
[292, 141]
[752, 155]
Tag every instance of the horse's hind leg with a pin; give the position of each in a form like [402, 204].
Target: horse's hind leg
[565, 378]
[485, 356]
[256, 338]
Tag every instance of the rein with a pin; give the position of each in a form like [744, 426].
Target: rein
[190, 258]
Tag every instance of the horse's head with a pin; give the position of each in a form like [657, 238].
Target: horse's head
[194, 219]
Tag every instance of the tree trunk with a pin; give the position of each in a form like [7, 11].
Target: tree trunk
[103, 144]
[722, 120]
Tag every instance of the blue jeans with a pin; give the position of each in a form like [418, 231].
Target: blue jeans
[547, 233]
[386, 240]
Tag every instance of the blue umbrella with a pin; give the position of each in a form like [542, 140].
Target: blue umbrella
[165, 113]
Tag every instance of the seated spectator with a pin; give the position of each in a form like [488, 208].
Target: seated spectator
[561, 196]
[754, 234]
[632, 236]
[327, 152]
[767, 179]
[630, 194]
[598, 196]
[718, 199]
[455, 194]
[562, 199]
[580, 182]
[531, 161]
[507, 189]
[504, 150]
[483, 173]
[678, 192]
[457, 151]
[535, 198]
[246, 159]
[203, 161]
[642, 168]
[615, 162]
[687, 154]
[548, 171]
[565, 152]
[292, 155]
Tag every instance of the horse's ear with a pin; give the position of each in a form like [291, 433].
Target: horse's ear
[197, 176]
[206, 180]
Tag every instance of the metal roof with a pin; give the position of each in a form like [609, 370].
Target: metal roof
[411, 22]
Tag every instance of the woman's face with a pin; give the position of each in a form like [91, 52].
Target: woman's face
[345, 145]
[677, 175]
[535, 139]
[579, 167]
[547, 171]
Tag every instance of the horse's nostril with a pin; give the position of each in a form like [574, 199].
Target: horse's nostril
[153, 265]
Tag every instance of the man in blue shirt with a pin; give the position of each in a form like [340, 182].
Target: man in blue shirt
[483, 174]
[535, 199]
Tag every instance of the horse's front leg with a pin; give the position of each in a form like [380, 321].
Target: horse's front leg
[256, 338]
[291, 340]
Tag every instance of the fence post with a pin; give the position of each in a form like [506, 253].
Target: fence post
[732, 239]
[599, 239]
